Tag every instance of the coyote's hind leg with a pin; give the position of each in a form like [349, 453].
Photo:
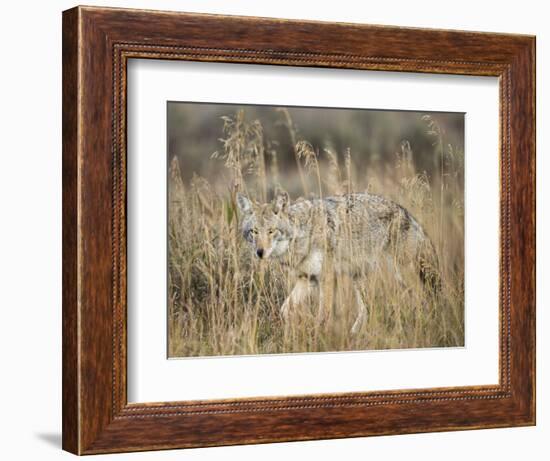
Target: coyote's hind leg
[362, 311]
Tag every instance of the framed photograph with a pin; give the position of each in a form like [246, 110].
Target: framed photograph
[284, 230]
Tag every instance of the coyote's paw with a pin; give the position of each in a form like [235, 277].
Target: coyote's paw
[285, 309]
[356, 326]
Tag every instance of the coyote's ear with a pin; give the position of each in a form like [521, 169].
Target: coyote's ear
[244, 204]
[281, 202]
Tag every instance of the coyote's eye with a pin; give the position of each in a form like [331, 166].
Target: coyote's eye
[272, 231]
[254, 231]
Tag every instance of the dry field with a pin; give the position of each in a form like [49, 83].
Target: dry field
[225, 301]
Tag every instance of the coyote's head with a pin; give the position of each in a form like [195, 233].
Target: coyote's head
[265, 227]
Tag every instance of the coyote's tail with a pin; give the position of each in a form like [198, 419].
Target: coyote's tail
[427, 263]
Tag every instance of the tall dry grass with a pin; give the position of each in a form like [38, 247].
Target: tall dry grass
[224, 301]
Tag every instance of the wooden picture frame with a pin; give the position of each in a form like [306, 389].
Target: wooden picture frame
[97, 43]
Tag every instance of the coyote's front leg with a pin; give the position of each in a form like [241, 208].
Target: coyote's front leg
[299, 294]
[308, 281]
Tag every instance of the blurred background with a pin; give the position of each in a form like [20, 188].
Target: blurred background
[374, 138]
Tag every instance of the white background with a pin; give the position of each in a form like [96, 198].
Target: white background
[153, 378]
[30, 229]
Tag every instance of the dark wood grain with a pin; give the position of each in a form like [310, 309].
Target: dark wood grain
[70, 385]
[97, 43]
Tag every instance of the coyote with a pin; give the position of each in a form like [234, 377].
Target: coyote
[354, 232]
